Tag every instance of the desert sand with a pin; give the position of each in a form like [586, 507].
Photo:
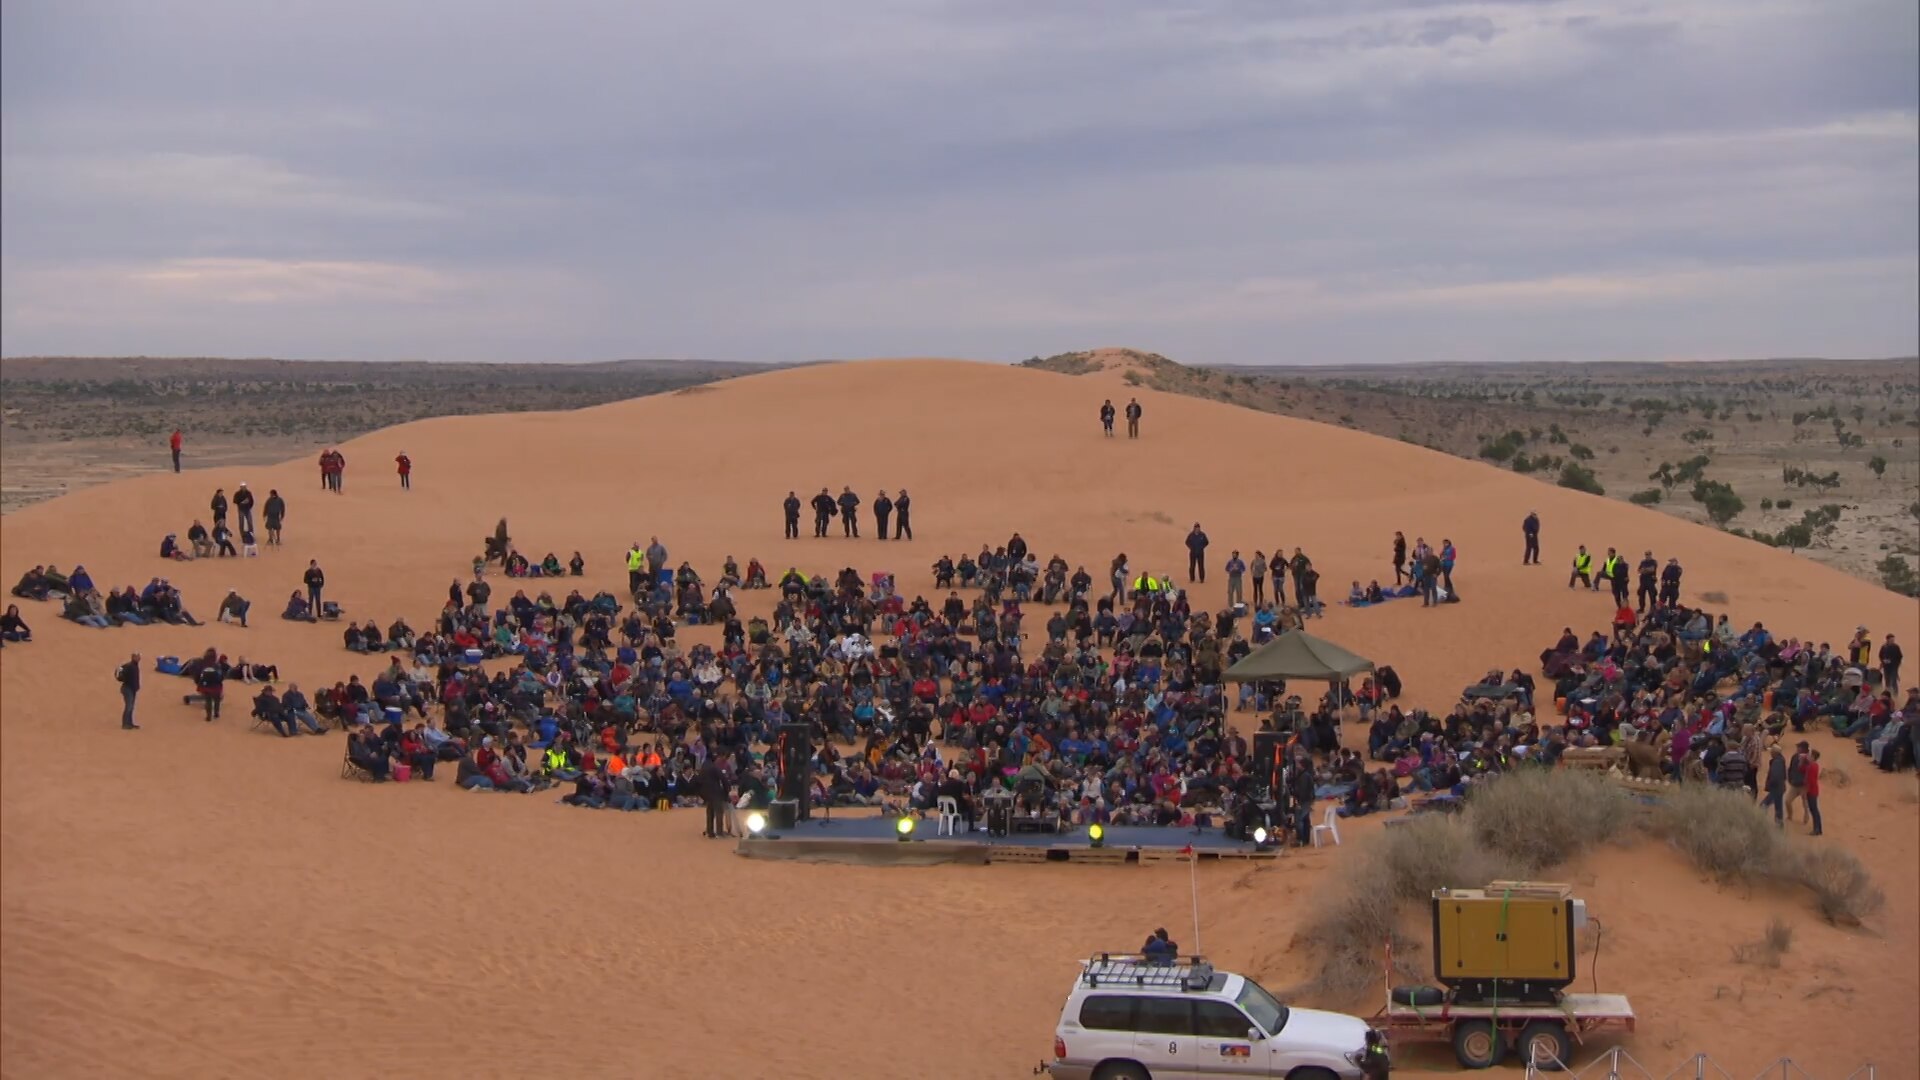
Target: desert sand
[198, 900]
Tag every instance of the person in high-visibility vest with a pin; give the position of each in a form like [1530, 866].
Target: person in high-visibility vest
[636, 568]
[1582, 568]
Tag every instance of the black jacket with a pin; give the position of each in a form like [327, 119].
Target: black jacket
[824, 506]
[315, 579]
[882, 507]
[791, 507]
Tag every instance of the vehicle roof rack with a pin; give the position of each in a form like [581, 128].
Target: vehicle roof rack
[1133, 969]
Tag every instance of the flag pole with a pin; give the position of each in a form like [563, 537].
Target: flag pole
[1193, 879]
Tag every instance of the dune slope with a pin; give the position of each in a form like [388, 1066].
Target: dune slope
[200, 900]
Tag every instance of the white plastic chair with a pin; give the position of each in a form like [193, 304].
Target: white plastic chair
[1328, 826]
[949, 816]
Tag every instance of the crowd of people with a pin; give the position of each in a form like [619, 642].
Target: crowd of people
[82, 601]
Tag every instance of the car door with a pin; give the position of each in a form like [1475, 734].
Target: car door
[1163, 1038]
[1221, 1045]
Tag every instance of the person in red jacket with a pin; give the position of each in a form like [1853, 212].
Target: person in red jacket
[174, 443]
[406, 471]
[1812, 785]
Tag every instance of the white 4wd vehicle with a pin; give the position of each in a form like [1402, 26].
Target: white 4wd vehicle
[1130, 1018]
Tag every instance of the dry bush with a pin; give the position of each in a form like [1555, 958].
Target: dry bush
[1843, 890]
[1358, 920]
[1722, 832]
[1537, 818]
[1768, 948]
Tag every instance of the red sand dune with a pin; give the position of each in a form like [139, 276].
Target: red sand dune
[201, 901]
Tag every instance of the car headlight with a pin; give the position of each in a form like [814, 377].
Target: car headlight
[1356, 1056]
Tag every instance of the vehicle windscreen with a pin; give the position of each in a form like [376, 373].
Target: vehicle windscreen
[1261, 1006]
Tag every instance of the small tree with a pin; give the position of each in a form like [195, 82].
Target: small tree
[1719, 499]
[1580, 478]
[1648, 497]
[1878, 466]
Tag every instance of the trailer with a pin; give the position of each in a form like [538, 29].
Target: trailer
[1481, 1033]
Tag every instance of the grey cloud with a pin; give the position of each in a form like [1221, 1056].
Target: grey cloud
[683, 178]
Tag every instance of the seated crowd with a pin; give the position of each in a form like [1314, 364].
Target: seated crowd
[81, 601]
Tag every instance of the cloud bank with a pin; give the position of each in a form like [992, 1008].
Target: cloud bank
[1224, 181]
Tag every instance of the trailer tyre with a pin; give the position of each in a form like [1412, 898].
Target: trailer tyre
[1419, 996]
[1545, 1044]
[1478, 1045]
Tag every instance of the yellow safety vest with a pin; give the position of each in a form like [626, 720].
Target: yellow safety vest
[636, 560]
[1583, 562]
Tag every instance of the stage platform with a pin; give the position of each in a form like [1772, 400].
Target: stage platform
[871, 840]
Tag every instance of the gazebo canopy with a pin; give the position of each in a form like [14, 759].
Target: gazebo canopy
[1298, 655]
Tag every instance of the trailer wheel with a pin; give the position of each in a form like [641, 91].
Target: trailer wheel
[1477, 1043]
[1545, 1044]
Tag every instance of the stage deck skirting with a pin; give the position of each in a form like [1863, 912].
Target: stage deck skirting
[870, 840]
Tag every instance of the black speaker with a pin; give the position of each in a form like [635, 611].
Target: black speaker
[1269, 755]
[782, 815]
[794, 750]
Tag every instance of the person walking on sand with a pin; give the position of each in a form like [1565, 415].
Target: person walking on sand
[1447, 558]
[902, 516]
[1106, 419]
[128, 676]
[1796, 777]
[243, 506]
[1530, 528]
[174, 444]
[1399, 555]
[1196, 555]
[1236, 572]
[339, 473]
[1259, 569]
[882, 510]
[405, 465]
[1133, 418]
[849, 512]
[790, 510]
[326, 470]
[316, 581]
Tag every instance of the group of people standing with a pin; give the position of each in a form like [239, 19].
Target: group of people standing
[1133, 418]
[1305, 577]
[893, 512]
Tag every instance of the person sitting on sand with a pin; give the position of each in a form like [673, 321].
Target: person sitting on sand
[13, 627]
[577, 566]
[170, 549]
[298, 609]
[32, 584]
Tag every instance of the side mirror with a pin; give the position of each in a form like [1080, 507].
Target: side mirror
[1254, 1034]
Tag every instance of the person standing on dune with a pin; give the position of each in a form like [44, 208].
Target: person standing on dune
[791, 511]
[882, 510]
[1133, 418]
[316, 582]
[1399, 556]
[274, 510]
[1196, 555]
[1106, 421]
[902, 519]
[243, 506]
[1530, 528]
[128, 676]
[849, 512]
[823, 510]
[636, 569]
[219, 506]
[174, 444]
[1236, 574]
[405, 465]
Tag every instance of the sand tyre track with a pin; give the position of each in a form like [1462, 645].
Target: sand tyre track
[1478, 1045]
[1121, 1070]
[1545, 1044]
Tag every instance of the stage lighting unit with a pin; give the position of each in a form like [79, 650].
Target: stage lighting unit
[1261, 837]
[1096, 836]
[904, 829]
[756, 823]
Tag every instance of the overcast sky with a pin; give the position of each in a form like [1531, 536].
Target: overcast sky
[1223, 181]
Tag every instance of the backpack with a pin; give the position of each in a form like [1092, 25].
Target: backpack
[1797, 771]
[167, 665]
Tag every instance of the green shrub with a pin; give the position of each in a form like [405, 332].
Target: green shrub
[1843, 890]
[1580, 478]
[1720, 831]
[1536, 818]
[1648, 497]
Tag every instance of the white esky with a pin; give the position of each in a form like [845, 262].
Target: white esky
[1222, 181]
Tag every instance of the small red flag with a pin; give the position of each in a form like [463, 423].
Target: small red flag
[1188, 850]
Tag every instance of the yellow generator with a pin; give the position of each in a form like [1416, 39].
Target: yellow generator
[1511, 941]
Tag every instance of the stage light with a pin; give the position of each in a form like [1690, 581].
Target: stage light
[1096, 836]
[1260, 836]
[905, 828]
[756, 823]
